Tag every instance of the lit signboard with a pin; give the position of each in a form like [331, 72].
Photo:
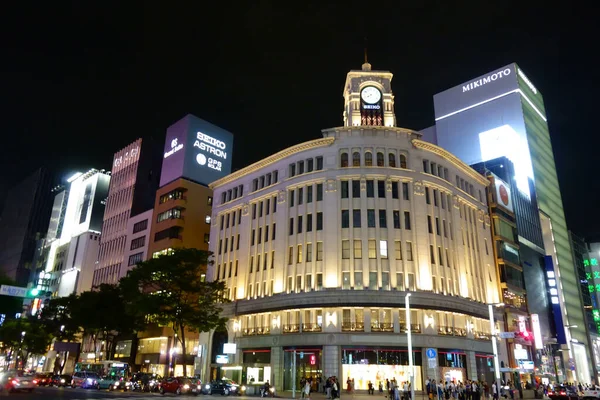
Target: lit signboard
[502, 193]
[197, 150]
[222, 359]
[229, 348]
[537, 333]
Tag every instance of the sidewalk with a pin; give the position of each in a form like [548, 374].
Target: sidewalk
[358, 395]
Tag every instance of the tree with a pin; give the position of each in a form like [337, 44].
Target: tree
[172, 290]
[26, 336]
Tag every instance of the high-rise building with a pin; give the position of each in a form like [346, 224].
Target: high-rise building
[502, 114]
[134, 180]
[321, 244]
[196, 153]
[23, 222]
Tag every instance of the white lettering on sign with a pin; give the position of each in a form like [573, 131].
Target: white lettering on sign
[15, 291]
[210, 145]
[371, 106]
[490, 78]
[175, 147]
[527, 81]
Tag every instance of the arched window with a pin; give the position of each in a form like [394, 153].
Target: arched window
[380, 159]
[403, 161]
[356, 159]
[368, 159]
[392, 160]
[344, 160]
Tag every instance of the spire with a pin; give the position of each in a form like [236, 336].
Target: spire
[366, 66]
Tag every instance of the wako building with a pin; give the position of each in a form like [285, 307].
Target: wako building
[320, 243]
[502, 114]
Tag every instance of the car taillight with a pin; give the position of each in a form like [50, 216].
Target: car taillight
[35, 381]
[563, 393]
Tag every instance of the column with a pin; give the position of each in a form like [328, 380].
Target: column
[471, 365]
[331, 362]
[277, 368]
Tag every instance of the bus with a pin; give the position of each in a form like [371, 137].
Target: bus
[103, 368]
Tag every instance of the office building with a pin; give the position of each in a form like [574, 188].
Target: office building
[320, 244]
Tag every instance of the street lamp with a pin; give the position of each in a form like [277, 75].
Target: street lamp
[409, 340]
[495, 346]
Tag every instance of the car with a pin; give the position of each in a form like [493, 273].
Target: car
[179, 385]
[17, 380]
[114, 383]
[61, 380]
[563, 392]
[85, 380]
[44, 379]
[224, 386]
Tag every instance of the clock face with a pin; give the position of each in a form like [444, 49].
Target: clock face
[370, 95]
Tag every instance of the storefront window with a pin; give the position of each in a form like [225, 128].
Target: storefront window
[308, 365]
[123, 349]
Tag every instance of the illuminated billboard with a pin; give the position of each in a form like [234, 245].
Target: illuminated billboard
[196, 150]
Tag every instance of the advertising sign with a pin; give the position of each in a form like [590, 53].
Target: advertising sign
[537, 333]
[222, 359]
[502, 193]
[476, 91]
[229, 348]
[197, 150]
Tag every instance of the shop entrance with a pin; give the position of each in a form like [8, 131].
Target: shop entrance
[308, 366]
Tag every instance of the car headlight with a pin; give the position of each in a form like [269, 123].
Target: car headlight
[207, 387]
[233, 388]
[243, 388]
[186, 386]
[62, 381]
[271, 389]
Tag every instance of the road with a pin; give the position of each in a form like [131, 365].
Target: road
[51, 393]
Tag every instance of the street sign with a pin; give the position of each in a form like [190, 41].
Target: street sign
[431, 353]
[507, 335]
[14, 291]
[431, 363]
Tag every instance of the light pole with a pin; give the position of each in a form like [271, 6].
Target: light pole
[23, 361]
[495, 346]
[410, 352]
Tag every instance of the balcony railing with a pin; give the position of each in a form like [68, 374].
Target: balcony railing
[259, 330]
[451, 331]
[382, 327]
[481, 335]
[414, 328]
[353, 327]
[291, 328]
[311, 328]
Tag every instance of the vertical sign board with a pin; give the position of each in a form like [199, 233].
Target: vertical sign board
[554, 300]
[537, 333]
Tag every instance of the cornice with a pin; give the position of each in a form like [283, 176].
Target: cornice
[273, 159]
[420, 144]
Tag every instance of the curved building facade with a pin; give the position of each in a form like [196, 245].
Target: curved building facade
[320, 243]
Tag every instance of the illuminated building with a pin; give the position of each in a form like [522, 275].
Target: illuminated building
[588, 255]
[134, 180]
[318, 245]
[196, 153]
[502, 114]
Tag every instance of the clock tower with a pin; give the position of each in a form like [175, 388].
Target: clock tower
[368, 98]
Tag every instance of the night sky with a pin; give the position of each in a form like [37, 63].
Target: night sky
[80, 83]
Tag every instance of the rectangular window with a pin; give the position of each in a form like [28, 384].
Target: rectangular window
[371, 218]
[319, 282]
[300, 224]
[259, 236]
[427, 196]
[440, 256]
[290, 286]
[431, 254]
[357, 248]
[396, 216]
[140, 226]
[290, 255]
[252, 237]
[344, 189]
[260, 211]
[319, 163]
[308, 252]
[175, 213]
[346, 281]
[299, 254]
[236, 267]
[383, 249]
[309, 194]
[300, 195]
[272, 232]
[267, 233]
[400, 281]
[291, 226]
[395, 193]
[319, 221]
[382, 219]
[310, 165]
[137, 243]
[345, 218]
[435, 197]
[385, 280]
[291, 197]
[356, 189]
[358, 280]
[372, 248]
[274, 207]
[272, 261]
[370, 188]
[258, 263]
[135, 258]
[309, 223]
[251, 263]
[298, 283]
[429, 225]
[381, 189]
[409, 251]
[319, 251]
[319, 192]
[292, 170]
[443, 199]
[300, 167]
[411, 281]
[448, 259]
[345, 249]
[398, 249]
[445, 226]
[405, 194]
[407, 220]
[253, 211]
[373, 281]
[437, 226]
[356, 218]
[308, 282]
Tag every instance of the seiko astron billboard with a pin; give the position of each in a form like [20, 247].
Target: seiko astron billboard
[197, 150]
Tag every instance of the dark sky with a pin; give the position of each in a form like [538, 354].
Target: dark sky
[79, 83]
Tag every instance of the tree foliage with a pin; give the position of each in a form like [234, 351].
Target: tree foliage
[173, 291]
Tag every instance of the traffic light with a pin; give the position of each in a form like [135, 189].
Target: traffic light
[37, 293]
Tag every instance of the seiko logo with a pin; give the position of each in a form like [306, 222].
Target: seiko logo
[371, 106]
[487, 79]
